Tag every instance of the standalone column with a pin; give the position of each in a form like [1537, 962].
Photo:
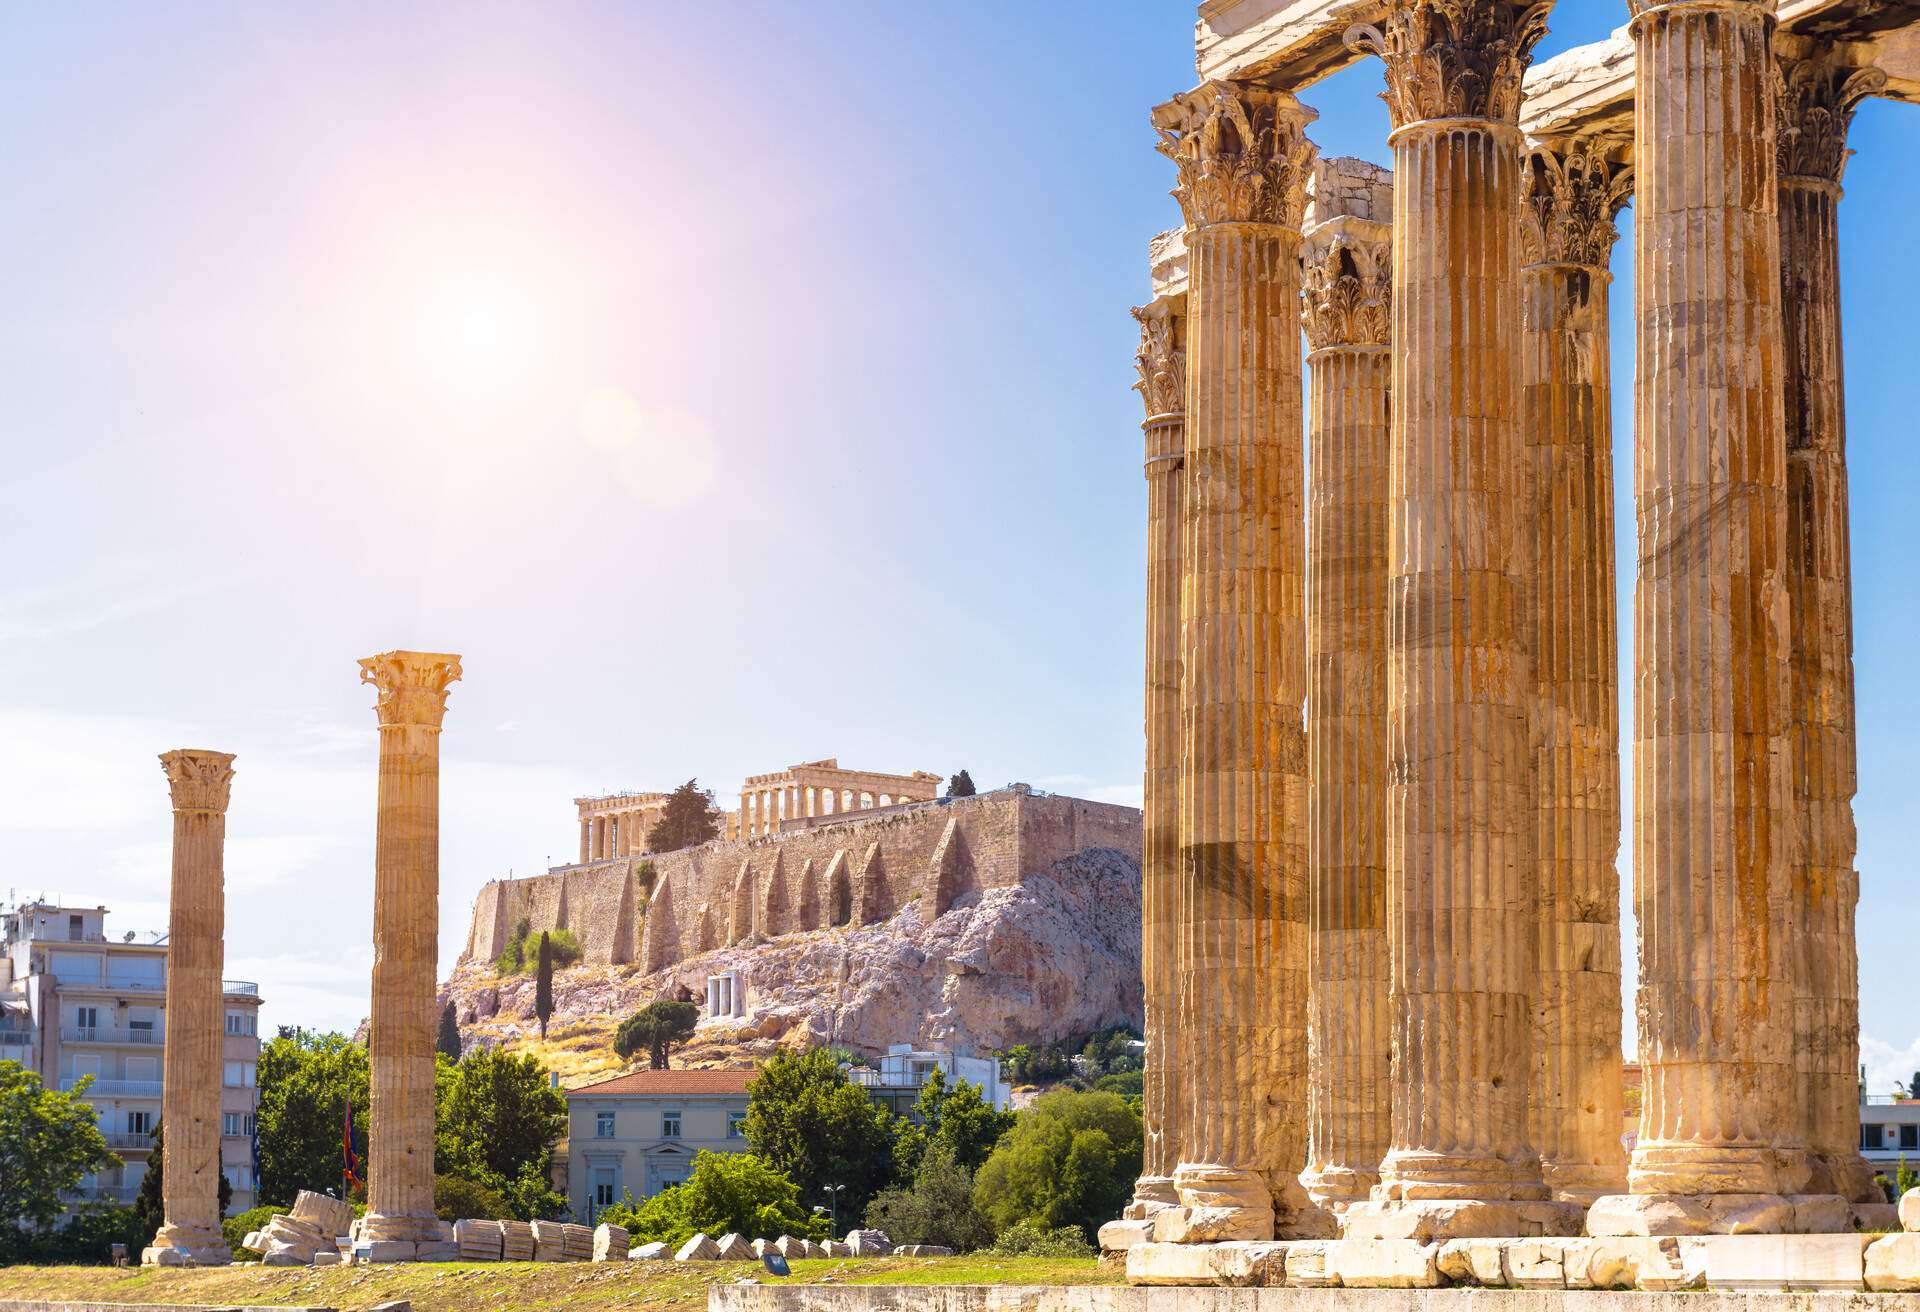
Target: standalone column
[196, 1024]
[1576, 1109]
[1348, 275]
[1821, 92]
[406, 921]
[586, 840]
[1712, 809]
[1460, 807]
[1163, 387]
[1244, 162]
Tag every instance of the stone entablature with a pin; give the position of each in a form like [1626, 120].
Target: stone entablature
[861, 871]
[618, 824]
[814, 789]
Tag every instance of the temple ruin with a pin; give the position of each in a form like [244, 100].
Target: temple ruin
[1382, 806]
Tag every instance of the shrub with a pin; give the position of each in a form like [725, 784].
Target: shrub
[521, 953]
[1030, 1239]
[1070, 1160]
[456, 1198]
[236, 1228]
[936, 1209]
[727, 1193]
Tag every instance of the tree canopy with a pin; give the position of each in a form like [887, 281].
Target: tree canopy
[49, 1140]
[306, 1081]
[1070, 1159]
[496, 1120]
[690, 818]
[655, 1028]
[735, 1193]
[807, 1119]
[961, 785]
[935, 1208]
[955, 1118]
[448, 1043]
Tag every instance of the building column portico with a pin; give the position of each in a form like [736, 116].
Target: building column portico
[199, 782]
[1713, 814]
[1820, 91]
[1573, 191]
[1244, 162]
[1348, 275]
[412, 702]
[1460, 804]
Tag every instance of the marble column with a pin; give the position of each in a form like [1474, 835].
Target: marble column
[1821, 89]
[1573, 191]
[1244, 162]
[586, 841]
[1462, 917]
[1348, 276]
[196, 1013]
[1162, 362]
[1713, 815]
[412, 701]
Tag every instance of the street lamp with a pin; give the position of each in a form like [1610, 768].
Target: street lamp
[832, 1192]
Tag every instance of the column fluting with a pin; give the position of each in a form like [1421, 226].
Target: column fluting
[1347, 271]
[1244, 162]
[1712, 802]
[1573, 192]
[1462, 912]
[1162, 362]
[412, 702]
[1820, 93]
[199, 782]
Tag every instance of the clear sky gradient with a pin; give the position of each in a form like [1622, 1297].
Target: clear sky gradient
[731, 384]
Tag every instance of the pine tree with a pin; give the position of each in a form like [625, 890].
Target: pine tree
[543, 985]
[961, 785]
[449, 1040]
[689, 819]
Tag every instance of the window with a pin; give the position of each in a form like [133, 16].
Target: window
[139, 1122]
[736, 1125]
[237, 1125]
[1871, 1137]
[603, 1195]
[87, 1018]
[239, 1075]
[243, 1023]
[76, 929]
[1910, 1136]
[240, 1176]
[669, 1125]
[603, 1125]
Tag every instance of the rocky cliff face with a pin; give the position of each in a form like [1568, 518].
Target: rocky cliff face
[1045, 960]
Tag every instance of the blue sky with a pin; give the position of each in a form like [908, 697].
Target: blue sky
[731, 385]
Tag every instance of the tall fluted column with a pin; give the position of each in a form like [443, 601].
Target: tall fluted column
[1820, 93]
[1460, 807]
[412, 702]
[1244, 162]
[586, 841]
[1348, 316]
[1713, 811]
[196, 1026]
[1573, 192]
[1162, 363]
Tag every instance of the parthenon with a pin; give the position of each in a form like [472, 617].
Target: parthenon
[1382, 794]
[821, 788]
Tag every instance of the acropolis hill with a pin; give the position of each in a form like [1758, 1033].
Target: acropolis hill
[976, 922]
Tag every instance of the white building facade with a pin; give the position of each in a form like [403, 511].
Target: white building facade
[895, 1084]
[77, 1003]
[638, 1133]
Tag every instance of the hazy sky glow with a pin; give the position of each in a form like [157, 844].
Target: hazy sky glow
[732, 385]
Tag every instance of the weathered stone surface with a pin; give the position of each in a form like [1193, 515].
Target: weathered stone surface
[1473, 1262]
[330, 1216]
[1438, 1220]
[869, 1243]
[834, 1248]
[610, 1243]
[1536, 1264]
[790, 1248]
[1236, 1263]
[330, 1257]
[733, 1248]
[516, 1241]
[697, 1249]
[1386, 1264]
[1785, 1262]
[1909, 1210]
[1610, 1263]
[200, 783]
[1309, 1264]
[1822, 1214]
[1117, 1236]
[923, 1250]
[1210, 1225]
[651, 1252]
[384, 1250]
[1893, 1264]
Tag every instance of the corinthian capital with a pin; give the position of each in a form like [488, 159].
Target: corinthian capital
[1242, 153]
[1347, 284]
[1162, 361]
[1572, 195]
[198, 780]
[1454, 58]
[1818, 95]
[412, 685]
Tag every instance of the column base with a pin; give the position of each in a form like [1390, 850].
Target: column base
[1583, 1182]
[1846, 1174]
[1338, 1187]
[1151, 1193]
[1216, 1203]
[1457, 1178]
[375, 1228]
[1719, 1214]
[216, 1253]
[1435, 1220]
[1690, 1169]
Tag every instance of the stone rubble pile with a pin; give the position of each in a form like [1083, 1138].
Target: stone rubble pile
[307, 1236]
[610, 1243]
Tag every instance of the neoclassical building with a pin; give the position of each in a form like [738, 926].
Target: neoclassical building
[1382, 791]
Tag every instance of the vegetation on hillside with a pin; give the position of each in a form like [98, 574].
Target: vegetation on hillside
[521, 955]
[654, 1029]
[690, 818]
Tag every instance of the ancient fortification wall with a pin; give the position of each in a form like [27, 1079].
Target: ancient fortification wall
[859, 872]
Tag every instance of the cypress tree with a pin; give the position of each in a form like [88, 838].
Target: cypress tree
[543, 985]
[449, 1040]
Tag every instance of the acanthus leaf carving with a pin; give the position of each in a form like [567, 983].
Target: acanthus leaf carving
[1570, 201]
[1346, 290]
[1454, 58]
[198, 780]
[1242, 155]
[1162, 362]
[412, 685]
[1817, 97]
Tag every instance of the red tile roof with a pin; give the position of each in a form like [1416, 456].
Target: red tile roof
[670, 1082]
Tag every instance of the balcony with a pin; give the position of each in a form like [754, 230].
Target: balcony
[124, 1143]
[16, 1038]
[121, 1194]
[244, 988]
[149, 1036]
[114, 1088]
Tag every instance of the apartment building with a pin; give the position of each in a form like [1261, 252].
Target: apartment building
[77, 1003]
[638, 1133]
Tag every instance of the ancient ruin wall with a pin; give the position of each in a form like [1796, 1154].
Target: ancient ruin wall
[861, 871]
